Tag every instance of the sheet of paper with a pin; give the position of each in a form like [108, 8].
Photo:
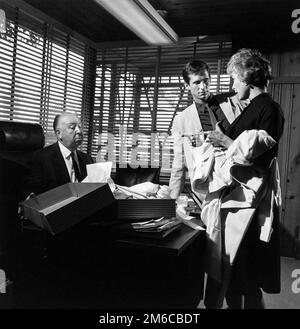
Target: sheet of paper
[186, 219]
[98, 172]
[144, 188]
[193, 225]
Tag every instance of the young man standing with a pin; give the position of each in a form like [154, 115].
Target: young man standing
[202, 115]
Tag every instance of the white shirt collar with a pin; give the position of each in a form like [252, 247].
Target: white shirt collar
[64, 150]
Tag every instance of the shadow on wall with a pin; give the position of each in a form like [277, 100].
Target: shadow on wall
[289, 244]
[290, 224]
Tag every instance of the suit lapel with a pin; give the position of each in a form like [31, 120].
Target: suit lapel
[232, 108]
[60, 165]
[193, 124]
[212, 117]
[228, 111]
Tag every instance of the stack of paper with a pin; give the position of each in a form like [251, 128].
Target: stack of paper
[154, 228]
[155, 225]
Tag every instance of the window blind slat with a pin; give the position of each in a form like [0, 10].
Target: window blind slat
[125, 92]
[47, 75]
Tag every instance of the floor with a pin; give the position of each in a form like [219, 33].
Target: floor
[287, 299]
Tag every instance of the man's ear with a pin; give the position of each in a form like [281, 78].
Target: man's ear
[187, 86]
[57, 134]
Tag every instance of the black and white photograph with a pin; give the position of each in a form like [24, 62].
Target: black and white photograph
[149, 158]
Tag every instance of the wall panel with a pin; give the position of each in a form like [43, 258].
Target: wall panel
[286, 91]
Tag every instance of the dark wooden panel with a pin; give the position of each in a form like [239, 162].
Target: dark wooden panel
[85, 17]
[286, 91]
[187, 18]
[291, 221]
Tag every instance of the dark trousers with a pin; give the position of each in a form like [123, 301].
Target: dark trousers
[249, 300]
[236, 298]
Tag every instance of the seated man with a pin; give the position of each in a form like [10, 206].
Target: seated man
[61, 162]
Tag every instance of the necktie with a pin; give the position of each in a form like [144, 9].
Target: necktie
[205, 119]
[76, 168]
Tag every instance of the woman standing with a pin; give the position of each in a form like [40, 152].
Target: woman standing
[256, 265]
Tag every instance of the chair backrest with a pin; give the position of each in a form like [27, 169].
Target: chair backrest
[18, 141]
[132, 176]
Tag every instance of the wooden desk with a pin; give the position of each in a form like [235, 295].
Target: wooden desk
[172, 245]
[157, 274]
[92, 269]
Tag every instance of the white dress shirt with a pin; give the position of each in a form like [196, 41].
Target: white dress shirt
[66, 153]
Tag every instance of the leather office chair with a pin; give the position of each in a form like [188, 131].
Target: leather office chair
[130, 176]
[18, 141]
[27, 253]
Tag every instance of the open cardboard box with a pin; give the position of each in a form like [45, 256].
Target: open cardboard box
[66, 205]
[129, 210]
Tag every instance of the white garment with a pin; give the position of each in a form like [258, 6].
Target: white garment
[66, 153]
[213, 168]
[249, 190]
[185, 123]
[188, 123]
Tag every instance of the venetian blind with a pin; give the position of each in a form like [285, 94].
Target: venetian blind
[139, 90]
[42, 73]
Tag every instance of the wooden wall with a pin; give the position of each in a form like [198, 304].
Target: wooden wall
[285, 89]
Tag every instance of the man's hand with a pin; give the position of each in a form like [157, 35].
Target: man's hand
[20, 208]
[218, 139]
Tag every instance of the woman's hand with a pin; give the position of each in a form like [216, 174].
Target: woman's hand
[218, 139]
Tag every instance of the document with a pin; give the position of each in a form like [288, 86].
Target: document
[98, 172]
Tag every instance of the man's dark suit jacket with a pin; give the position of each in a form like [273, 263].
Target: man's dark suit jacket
[48, 169]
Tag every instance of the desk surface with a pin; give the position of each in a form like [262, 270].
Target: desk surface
[138, 273]
[173, 244]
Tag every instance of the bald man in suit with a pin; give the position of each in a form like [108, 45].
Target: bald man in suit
[61, 162]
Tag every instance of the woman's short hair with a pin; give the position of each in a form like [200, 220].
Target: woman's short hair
[194, 67]
[251, 67]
